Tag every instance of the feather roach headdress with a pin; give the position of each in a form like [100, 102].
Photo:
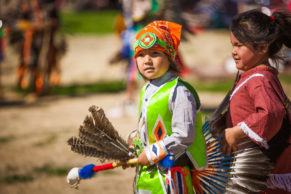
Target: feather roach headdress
[98, 138]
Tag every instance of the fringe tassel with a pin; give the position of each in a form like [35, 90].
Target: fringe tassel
[281, 181]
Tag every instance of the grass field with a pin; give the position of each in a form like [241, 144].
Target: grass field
[88, 22]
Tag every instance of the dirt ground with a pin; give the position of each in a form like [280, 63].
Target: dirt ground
[33, 133]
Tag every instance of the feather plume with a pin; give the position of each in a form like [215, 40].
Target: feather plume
[250, 170]
[98, 138]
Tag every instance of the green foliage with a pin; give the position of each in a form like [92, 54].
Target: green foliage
[99, 87]
[6, 139]
[48, 140]
[46, 169]
[82, 89]
[52, 171]
[206, 113]
[213, 86]
[285, 79]
[17, 178]
[88, 22]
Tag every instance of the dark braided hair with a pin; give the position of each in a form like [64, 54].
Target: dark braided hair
[255, 28]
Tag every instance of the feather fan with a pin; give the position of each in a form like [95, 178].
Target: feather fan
[250, 169]
[98, 138]
[214, 178]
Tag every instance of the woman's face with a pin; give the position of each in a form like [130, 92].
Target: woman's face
[152, 63]
[245, 55]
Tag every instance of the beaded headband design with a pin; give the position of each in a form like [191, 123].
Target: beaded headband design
[149, 39]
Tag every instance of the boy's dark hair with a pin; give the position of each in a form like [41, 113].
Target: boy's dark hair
[255, 28]
[174, 67]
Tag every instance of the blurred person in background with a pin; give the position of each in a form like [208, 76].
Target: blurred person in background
[32, 27]
[39, 24]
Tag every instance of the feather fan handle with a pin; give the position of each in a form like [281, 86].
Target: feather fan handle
[112, 165]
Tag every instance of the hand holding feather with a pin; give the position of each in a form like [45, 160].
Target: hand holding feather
[143, 160]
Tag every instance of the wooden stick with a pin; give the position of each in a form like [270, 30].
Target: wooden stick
[114, 165]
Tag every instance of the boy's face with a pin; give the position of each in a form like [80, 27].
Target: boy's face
[152, 63]
[245, 55]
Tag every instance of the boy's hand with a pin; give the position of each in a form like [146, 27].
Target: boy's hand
[143, 160]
